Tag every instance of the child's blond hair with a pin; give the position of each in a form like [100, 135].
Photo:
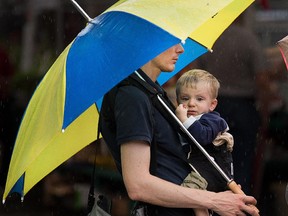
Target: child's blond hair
[194, 76]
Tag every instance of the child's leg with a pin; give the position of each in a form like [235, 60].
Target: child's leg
[201, 212]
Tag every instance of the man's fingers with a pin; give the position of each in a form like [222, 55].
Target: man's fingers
[251, 210]
[250, 200]
[250, 206]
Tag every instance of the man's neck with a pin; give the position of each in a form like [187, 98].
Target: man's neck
[151, 72]
[142, 75]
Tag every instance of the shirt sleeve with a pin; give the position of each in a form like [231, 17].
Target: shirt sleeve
[133, 115]
[191, 120]
[207, 127]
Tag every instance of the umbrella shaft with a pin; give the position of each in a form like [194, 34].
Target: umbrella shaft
[80, 9]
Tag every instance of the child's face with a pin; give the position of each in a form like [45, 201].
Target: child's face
[198, 100]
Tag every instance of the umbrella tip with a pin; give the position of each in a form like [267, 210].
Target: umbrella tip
[63, 130]
[3, 201]
[22, 198]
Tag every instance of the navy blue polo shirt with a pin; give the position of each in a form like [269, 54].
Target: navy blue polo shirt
[137, 119]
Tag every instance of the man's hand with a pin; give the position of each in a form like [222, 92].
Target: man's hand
[230, 204]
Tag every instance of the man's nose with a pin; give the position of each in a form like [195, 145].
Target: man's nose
[179, 48]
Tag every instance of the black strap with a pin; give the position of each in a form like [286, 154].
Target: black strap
[91, 195]
[153, 90]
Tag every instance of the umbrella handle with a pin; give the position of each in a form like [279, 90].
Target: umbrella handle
[235, 188]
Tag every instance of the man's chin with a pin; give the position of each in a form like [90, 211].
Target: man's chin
[169, 70]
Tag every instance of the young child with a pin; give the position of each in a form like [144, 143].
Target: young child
[196, 92]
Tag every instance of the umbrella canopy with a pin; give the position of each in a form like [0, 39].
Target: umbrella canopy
[62, 115]
[283, 46]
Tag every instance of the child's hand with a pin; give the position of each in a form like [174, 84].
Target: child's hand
[181, 112]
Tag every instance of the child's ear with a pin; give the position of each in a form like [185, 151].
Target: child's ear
[213, 104]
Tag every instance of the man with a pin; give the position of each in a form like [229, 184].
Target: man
[134, 130]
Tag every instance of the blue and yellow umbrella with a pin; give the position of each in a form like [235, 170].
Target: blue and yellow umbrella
[62, 116]
[283, 46]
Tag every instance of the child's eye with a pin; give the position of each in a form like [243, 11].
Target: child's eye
[184, 98]
[200, 99]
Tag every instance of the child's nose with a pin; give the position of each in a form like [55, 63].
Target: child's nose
[191, 102]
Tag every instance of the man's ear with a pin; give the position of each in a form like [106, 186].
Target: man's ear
[213, 104]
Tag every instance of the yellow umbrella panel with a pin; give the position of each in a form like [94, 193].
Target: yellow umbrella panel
[41, 145]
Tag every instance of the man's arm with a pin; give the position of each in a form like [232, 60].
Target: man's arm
[142, 186]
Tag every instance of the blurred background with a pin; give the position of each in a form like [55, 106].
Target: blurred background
[32, 35]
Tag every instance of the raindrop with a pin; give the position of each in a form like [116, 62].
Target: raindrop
[286, 194]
